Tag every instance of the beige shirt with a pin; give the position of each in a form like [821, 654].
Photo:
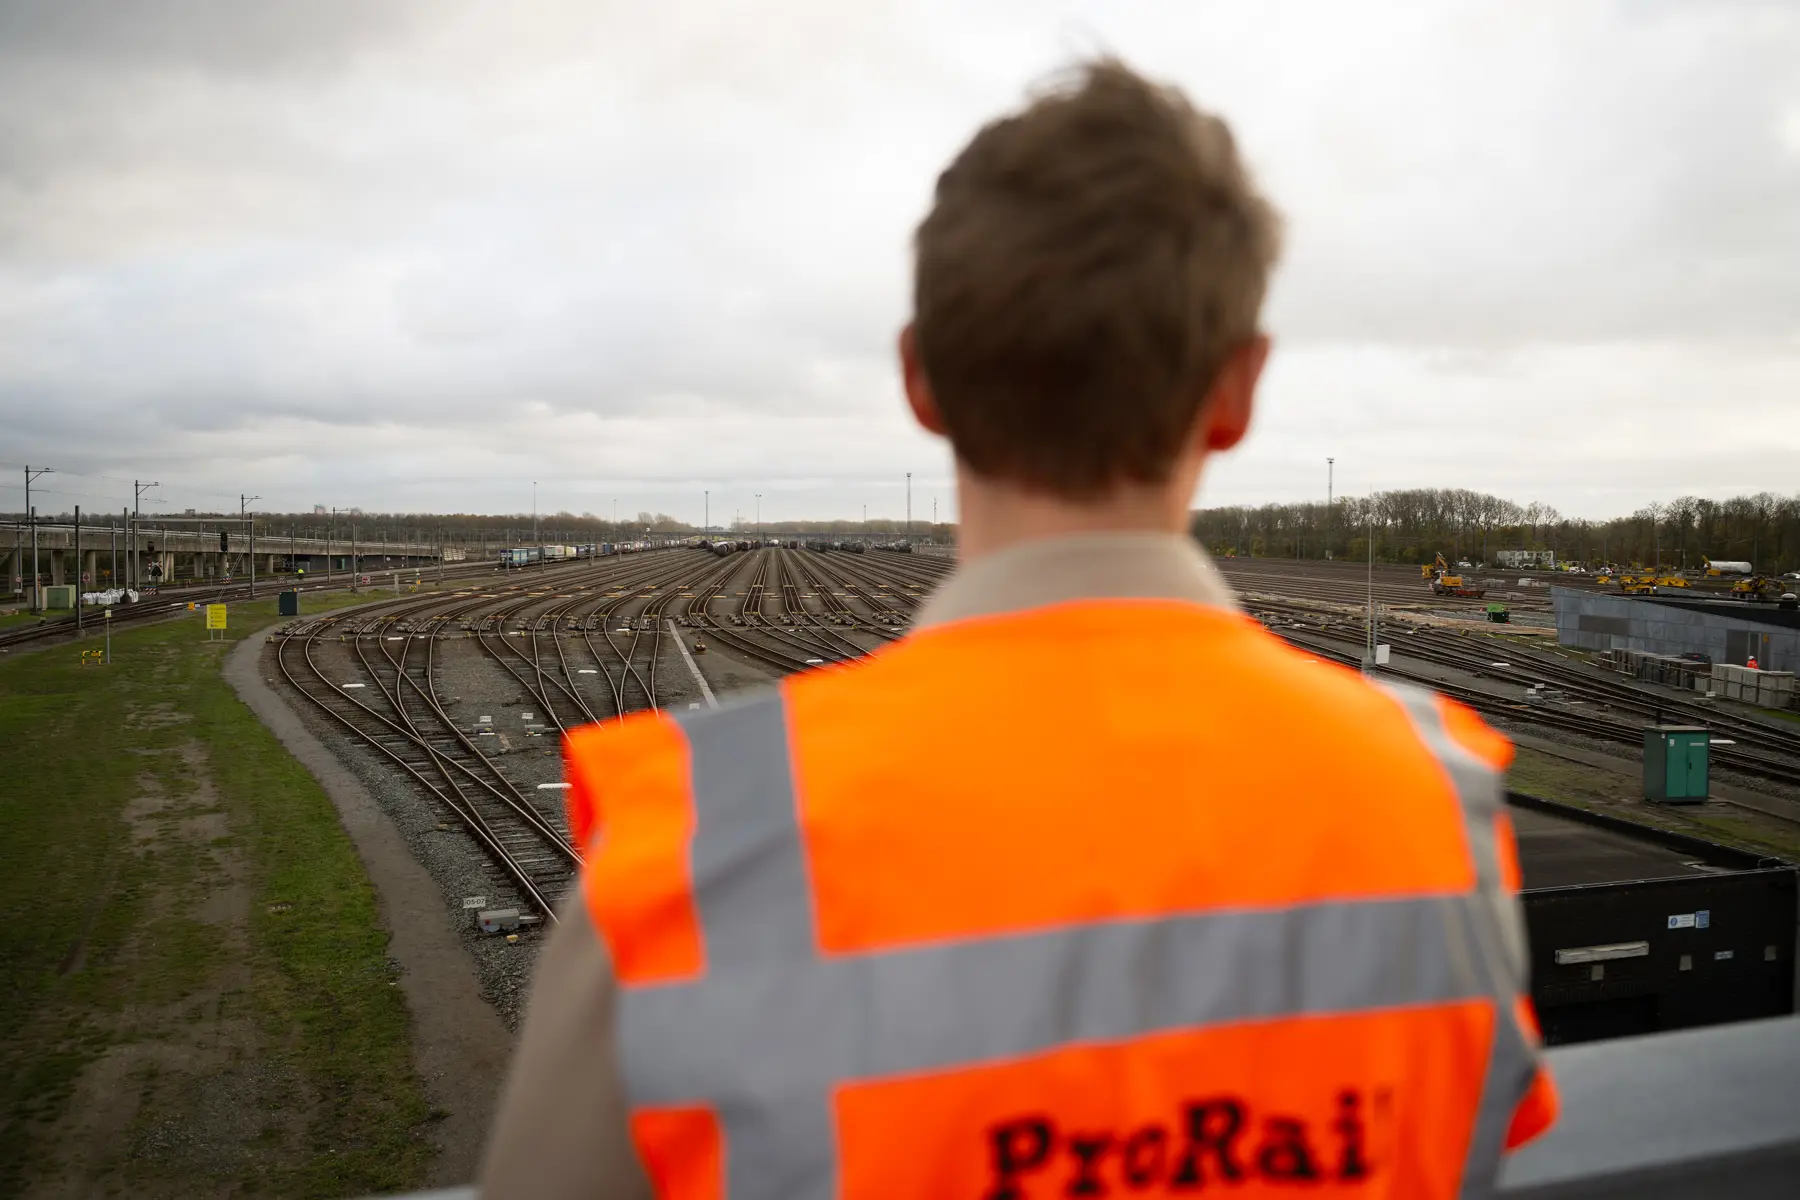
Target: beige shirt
[562, 1128]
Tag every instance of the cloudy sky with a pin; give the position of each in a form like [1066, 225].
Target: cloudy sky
[417, 255]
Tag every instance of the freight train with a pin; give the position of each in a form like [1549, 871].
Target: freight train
[525, 556]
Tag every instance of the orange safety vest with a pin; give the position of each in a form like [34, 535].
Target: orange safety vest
[1104, 898]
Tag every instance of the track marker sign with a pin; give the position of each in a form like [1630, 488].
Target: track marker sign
[215, 619]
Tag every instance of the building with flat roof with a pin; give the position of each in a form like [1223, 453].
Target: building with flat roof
[1726, 631]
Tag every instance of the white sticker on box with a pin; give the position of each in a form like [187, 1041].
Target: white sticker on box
[474, 901]
[1681, 920]
[1722, 955]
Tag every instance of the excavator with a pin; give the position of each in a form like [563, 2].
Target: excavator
[1443, 583]
[1757, 587]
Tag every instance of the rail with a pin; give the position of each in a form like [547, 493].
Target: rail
[1701, 1113]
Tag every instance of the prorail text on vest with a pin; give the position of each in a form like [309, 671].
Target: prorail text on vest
[1214, 1142]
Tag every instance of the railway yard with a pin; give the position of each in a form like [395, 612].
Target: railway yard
[449, 704]
[354, 819]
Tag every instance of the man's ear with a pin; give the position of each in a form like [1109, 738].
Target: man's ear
[1225, 416]
[919, 396]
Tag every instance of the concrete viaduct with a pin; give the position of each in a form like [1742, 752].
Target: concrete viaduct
[187, 556]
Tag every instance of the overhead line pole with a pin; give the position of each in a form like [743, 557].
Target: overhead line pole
[37, 604]
[244, 500]
[134, 566]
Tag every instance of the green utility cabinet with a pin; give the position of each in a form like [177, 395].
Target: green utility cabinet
[1675, 763]
[1498, 615]
[288, 604]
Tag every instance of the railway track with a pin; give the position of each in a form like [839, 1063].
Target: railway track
[531, 849]
[583, 644]
[385, 695]
[785, 654]
[1773, 762]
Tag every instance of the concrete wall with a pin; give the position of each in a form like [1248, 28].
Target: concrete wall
[1596, 621]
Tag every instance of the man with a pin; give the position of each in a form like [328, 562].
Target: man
[1090, 886]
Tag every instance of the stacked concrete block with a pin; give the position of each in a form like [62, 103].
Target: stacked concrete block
[1729, 681]
[1770, 689]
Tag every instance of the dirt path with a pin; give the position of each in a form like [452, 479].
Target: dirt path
[462, 1047]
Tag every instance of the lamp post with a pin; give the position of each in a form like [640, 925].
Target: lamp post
[1330, 463]
[1369, 661]
[759, 518]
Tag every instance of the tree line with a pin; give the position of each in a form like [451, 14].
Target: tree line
[1414, 524]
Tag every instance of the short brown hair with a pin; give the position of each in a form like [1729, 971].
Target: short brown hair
[1086, 268]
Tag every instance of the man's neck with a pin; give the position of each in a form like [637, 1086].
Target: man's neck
[992, 516]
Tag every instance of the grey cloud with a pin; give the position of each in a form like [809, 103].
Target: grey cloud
[669, 242]
[216, 36]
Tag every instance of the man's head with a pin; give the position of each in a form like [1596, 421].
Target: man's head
[1087, 288]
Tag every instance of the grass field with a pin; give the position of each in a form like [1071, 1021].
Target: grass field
[1621, 795]
[15, 620]
[195, 990]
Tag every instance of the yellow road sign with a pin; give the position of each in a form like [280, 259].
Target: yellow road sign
[215, 616]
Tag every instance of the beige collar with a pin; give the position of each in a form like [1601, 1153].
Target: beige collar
[1101, 566]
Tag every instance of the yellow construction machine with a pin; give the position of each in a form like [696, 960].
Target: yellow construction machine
[1445, 584]
[1757, 587]
[1643, 585]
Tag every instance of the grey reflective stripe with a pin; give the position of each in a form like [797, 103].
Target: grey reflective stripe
[949, 1004]
[1511, 1064]
[756, 906]
[757, 921]
[1496, 931]
[774, 1026]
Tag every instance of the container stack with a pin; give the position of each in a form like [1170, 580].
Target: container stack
[1668, 670]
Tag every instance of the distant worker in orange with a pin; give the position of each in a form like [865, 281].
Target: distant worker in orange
[1752, 663]
[1090, 886]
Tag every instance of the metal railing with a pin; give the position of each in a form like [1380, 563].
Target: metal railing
[1702, 1113]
